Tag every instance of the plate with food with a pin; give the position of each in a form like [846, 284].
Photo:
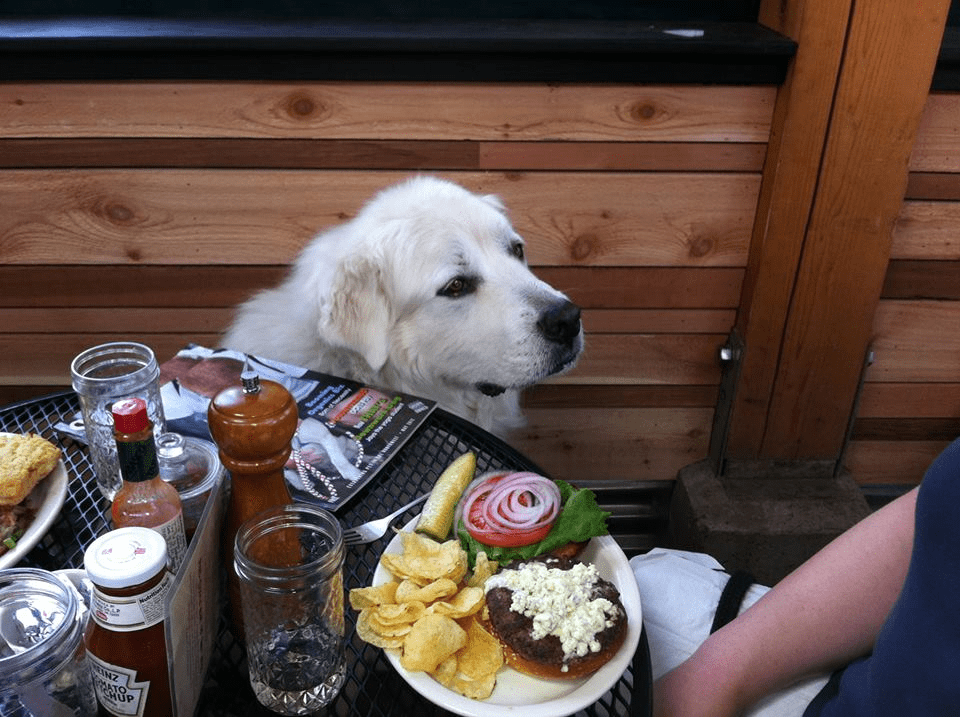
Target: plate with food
[33, 487]
[549, 632]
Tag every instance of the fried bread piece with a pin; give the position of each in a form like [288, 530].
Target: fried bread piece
[25, 460]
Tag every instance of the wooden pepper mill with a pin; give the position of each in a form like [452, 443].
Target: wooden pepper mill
[252, 425]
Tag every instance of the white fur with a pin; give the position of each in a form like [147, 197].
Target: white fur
[362, 302]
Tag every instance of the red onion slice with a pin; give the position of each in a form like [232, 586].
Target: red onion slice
[504, 510]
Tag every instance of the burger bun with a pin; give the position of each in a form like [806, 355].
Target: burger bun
[576, 671]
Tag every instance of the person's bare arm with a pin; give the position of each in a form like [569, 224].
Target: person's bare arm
[824, 614]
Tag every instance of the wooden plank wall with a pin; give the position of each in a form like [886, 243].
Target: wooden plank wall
[147, 210]
[910, 403]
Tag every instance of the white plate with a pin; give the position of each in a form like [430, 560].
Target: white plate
[45, 499]
[516, 693]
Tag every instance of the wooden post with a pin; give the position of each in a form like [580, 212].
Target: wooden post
[834, 178]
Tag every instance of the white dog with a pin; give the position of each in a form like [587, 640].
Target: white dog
[426, 291]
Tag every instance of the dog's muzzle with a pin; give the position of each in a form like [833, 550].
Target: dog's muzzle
[560, 323]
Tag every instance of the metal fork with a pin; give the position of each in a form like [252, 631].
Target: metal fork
[376, 529]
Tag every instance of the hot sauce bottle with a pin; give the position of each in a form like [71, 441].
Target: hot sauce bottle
[144, 499]
[252, 425]
[125, 630]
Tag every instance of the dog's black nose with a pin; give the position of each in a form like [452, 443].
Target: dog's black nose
[561, 322]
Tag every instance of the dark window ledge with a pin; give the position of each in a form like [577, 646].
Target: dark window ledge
[946, 77]
[453, 50]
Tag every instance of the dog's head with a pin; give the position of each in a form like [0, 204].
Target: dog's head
[431, 284]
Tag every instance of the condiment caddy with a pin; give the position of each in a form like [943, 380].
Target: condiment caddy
[188, 599]
[155, 602]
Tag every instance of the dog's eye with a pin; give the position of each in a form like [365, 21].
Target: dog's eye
[517, 250]
[458, 286]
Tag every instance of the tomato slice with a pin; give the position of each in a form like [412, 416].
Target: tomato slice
[479, 530]
[513, 539]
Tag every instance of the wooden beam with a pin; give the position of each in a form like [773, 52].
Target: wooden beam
[202, 319]
[408, 155]
[798, 132]
[109, 285]
[909, 399]
[613, 359]
[937, 148]
[495, 112]
[916, 341]
[944, 186]
[551, 395]
[907, 279]
[216, 217]
[906, 429]
[927, 230]
[890, 54]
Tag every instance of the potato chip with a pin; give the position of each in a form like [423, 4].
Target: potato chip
[424, 560]
[446, 671]
[482, 655]
[361, 598]
[479, 689]
[409, 591]
[366, 633]
[401, 612]
[465, 603]
[392, 624]
[431, 641]
[483, 568]
[432, 616]
[399, 629]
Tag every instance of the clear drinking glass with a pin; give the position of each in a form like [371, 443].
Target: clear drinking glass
[42, 658]
[290, 563]
[103, 375]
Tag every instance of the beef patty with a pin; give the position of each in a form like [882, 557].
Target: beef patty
[518, 631]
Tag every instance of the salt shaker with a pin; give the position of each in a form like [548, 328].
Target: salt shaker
[252, 425]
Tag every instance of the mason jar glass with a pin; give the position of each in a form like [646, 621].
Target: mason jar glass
[289, 560]
[102, 375]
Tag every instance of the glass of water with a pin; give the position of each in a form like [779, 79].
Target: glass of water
[290, 563]
[101, 376]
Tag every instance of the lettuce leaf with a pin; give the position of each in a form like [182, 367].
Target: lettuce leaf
[580, 519]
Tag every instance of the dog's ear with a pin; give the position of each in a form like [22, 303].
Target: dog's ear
[494, 201]
[356, 313]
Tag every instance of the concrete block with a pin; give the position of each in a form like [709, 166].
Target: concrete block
[765, 525]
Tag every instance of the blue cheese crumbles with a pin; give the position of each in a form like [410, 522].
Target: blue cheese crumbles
[559, 603]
